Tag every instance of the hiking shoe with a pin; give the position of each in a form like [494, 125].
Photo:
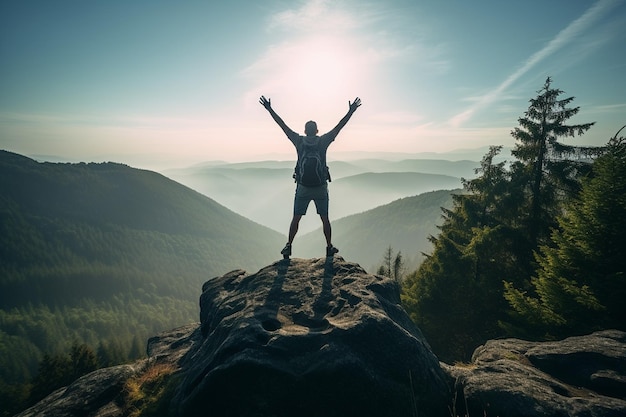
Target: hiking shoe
[331, 250]
[286, 252]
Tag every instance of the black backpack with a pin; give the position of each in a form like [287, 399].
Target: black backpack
[310, 171]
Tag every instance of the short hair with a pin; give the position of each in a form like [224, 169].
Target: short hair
[310, 128]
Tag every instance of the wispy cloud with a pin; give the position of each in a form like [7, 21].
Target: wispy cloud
[313, 16]
[563, 38]
[610, 108]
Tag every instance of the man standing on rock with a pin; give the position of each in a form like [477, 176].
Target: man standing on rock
[311, 173]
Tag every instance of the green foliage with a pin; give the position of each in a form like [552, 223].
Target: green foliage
[59, 370]
[114, 325]
[82, 360]
[580, 284]
[457, 296]
[54, 372]
[13, 398]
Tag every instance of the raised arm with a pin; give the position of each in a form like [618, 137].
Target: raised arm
[268, 106]
[351, 109]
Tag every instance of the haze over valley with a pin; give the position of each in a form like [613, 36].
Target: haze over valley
[263, 191]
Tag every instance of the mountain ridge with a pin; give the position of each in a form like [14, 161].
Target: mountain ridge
[87, 247]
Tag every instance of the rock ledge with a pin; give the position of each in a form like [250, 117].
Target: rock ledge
[309, 338]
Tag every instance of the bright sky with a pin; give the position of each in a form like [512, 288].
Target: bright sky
[160, 82]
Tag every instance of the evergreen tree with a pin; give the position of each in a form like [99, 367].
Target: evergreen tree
[137, 349]
[386, 267]
[392, 266]
[456, 294]
[110, 353]
[581, 283]
[54, 372]
[398, 267]
[545, 163]
[59, 370]
[83, 360]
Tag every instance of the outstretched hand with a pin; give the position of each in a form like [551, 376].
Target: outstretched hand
[354, 105]
[265, 102]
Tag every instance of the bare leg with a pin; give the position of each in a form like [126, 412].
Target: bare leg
[327, 230]
[293, 227]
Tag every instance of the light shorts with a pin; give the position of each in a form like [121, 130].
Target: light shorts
[304, 195]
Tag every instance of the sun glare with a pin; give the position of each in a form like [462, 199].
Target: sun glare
[322, 67]
[320, 70]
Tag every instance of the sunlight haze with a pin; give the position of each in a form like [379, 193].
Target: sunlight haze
[158, 84]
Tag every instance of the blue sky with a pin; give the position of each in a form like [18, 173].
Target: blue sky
[154, 83]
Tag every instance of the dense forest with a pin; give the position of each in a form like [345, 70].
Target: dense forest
[534, 247]
[103, 256]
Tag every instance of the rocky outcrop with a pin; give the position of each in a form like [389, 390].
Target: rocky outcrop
[98, 394]
[308, 338]
[103, 393]
[578, 376]
[323, 337]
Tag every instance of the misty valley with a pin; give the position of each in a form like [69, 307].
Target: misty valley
[263, 191]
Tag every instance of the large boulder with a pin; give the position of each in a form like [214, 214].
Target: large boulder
[576, 377]
[308, 338]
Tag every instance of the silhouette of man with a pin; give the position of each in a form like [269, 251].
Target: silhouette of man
[304, 193]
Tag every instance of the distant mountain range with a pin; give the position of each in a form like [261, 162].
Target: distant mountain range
[159, 162]
[263, 191]
[404, 225]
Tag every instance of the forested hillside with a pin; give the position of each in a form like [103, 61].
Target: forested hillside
[106, 254]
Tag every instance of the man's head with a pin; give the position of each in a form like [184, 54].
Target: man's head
[310, 128]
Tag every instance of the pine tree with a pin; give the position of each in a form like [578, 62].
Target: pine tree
[386, 267]
[581, 283]
[398, 267]
[544, 162]
[83, 360]
[137, 349]
[54, 372]
[392, 266]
